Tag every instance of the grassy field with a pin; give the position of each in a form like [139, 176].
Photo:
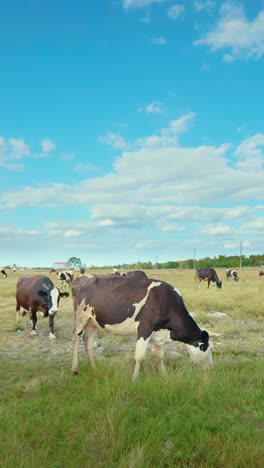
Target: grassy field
[191, 418]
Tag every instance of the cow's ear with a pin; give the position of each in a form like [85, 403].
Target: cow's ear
[64, 294]
[42, 293]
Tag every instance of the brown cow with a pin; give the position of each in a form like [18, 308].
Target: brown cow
[207, 274]
[38, 294]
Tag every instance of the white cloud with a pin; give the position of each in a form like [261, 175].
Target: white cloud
[244, 38]
[47, 146]
[106, 222]
[171, 228]
[67, 157]
[217, 230]
[175, 11]
[18, 148]
[72, 233]
[157, 186]
[12, 150]
[140, 3]
[202, 5]
[84, 167]
[159, 41]
[251, 147]
[152, 108]
[256, 224]
[113, 139]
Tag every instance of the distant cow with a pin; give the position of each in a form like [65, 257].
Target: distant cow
[134, 305]
[232, 274]
[14, 269]
[118, 273]
[261, 273]
[65, 277]
[38, 294]
[208, 274]
[2, 270]
[52, 270]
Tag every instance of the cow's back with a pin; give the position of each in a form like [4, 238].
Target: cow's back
[28, 286]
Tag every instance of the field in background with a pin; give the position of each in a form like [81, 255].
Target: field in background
[191, 417]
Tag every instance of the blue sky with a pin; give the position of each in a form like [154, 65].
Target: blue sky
[130, 130]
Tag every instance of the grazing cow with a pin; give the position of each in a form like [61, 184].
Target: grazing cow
[2, 270]
[118, 273]
[261, 273]
[14, 269]
[133, 305]
[232, 274]
[38, 294]
[52, 270]
[207, 274]
[65, 277]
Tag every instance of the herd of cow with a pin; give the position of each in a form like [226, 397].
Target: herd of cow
[119, 304]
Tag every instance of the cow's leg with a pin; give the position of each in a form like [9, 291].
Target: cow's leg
[75, 342]
[208, 283]
[141, 348]
[51, 327]
[89, 335]
[17, 313]
[33, 317]
[159, 351]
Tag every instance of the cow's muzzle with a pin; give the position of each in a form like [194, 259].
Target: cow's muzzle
[53, 312]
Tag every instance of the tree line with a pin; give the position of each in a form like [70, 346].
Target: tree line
[222, 261]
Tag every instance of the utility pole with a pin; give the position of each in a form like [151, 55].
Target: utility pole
[194, 250]
[240, 255]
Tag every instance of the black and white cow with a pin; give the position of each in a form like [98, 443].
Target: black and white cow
[2, 270]
[232, 274]
[52, 270]
[207, 274]
[134, 305]
[65, 277]
[38, 294]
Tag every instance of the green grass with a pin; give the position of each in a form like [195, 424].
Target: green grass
[191, 418]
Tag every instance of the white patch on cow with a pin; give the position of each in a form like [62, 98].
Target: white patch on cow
[177, 291]
[128, 327]
[201, 357]
[54, 294]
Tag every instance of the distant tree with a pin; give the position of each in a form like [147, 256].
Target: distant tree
[75, 262]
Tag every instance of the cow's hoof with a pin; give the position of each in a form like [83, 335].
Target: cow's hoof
[74, 372]
[52, 337]
[33, 333]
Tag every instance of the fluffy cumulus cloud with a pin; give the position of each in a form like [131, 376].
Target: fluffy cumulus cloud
[242, 38]
[158, 192]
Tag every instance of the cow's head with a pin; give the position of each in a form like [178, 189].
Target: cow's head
[52, 299]
[219, 284]
[201, 350]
